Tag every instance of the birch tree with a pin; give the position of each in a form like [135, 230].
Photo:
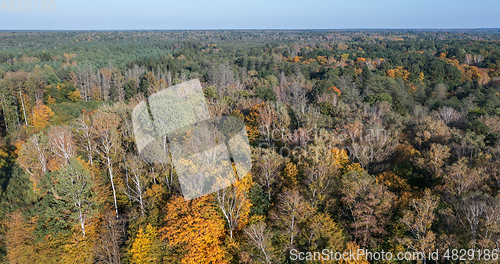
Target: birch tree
[62, 143]
[106, 140]
[136, 181]
[234, 204]
[260, 238]
[33, 157]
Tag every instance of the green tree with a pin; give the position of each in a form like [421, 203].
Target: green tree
[74, 186]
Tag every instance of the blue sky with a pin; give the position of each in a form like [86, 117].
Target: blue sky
[256, 14]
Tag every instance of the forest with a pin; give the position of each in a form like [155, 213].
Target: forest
[360, 139]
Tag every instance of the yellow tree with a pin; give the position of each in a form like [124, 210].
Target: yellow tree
[195, 229]
[75, 96]
[353, 247]
[41, 115]
[251, 122]
[146, 246]
[322, 232]
[78, 250]
[18, 239]
[290, 176]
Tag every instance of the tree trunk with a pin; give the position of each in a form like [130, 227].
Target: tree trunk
[110, 170]
[24, 110]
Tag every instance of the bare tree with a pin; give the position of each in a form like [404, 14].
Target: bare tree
[292, 211]
[296, 96]
[268, 165]
[62, 143]
[111, 235]
[260, 239]
[448, 115]
[368, 144]
[472, 207]
[136, 181]
[272, 122]
[34, 155]
[366, 205]
[234, 204]
[418, 221]
[83, 127]
[106, 140]
[468, 59]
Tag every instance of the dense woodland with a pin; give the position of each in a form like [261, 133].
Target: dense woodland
[377, 139]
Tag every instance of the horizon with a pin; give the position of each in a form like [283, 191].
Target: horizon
[257, 15]
[264, 29]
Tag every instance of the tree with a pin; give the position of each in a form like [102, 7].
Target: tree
[137, 181]
[19, 240]
[194, 230]
[41, 116]
[34, 156]
[460, 179]
[427, 130]
[320, 232]
[367, 143]
[75, 186]
[83, 126]
[321, 166]
[111, 234]
[418, 221]
[291, 212]
[265, 125]
[146, 247]
[16, 84]
[353, 247]
[260, 238]
[268, 165]
[62, 143]
[290, 176]
[272, 120]
[433, 159]
[440, 91]
[106, 142]
[234, 204]
[367, 206]
[296, 96]
[448, 115]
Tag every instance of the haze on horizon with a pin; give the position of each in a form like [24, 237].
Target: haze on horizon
[257, 14]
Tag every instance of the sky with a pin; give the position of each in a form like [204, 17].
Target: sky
[256, 14]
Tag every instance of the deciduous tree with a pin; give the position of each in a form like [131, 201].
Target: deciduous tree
[367, 206]
[418, 220]
[260, 238]
[195, 230]
[106, 141]
[234, 204]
